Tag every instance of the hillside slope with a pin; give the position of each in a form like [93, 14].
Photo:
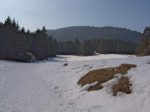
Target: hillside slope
[48, 86]
[86, 32]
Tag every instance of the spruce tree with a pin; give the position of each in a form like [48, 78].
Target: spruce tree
[23, 30]
[8, 21]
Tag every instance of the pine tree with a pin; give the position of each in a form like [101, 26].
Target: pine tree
[38, 31]
[14, 24]
[144, 47]
[23, 30]
[17, 26]
[44, 29]
[28, 32]
[8, 21]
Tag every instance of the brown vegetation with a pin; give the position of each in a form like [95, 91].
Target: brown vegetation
[103, 75]
[123, 85]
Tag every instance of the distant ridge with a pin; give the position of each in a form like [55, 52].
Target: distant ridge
[90, 32]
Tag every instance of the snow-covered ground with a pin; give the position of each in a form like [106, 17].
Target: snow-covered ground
[86, 58]
[48, 86]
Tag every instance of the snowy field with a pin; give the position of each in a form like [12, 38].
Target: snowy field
[48, 86]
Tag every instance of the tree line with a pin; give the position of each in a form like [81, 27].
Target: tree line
[20, 45]
[103, 46]
[144, 46]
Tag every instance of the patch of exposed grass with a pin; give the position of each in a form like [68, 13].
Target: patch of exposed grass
[123, 68]
[103, 75]
[123, 85]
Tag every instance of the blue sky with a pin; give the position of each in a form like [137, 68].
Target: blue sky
[132, 14]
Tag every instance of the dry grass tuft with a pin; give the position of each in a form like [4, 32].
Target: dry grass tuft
[123, 85]
[103, 75]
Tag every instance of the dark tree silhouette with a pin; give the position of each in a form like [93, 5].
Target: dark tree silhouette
[24, 46]
[8, 22]
[144, 46]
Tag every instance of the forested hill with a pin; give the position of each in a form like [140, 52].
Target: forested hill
[86, 33]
